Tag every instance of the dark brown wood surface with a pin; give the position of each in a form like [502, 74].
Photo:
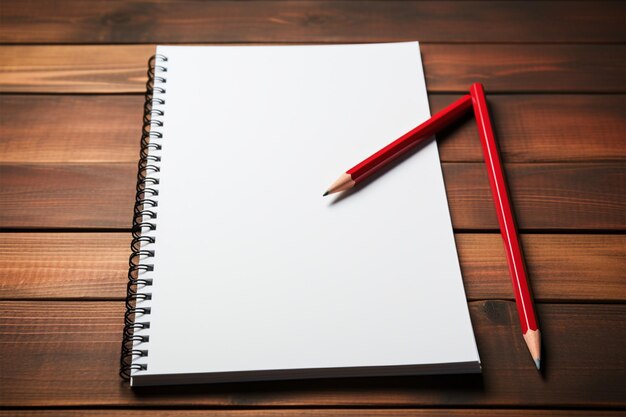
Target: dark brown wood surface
[72, 75]
[321, 412]
[515, 68]
[535, 128]
[546, 196]
[311, 21]
[94, 266]
[69, 343]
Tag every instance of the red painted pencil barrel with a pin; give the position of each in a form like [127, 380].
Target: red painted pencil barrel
[410, 139]
[497, 182]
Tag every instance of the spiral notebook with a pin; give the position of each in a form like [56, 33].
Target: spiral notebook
[241, 270]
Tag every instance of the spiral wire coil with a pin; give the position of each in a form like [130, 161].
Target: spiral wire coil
[135, 339]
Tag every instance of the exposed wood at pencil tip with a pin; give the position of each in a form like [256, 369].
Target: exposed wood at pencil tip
[533, 341]
[344, 182]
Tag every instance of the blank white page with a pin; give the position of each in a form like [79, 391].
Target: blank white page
[254, 270]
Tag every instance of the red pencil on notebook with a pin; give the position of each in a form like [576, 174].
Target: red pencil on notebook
[426, 130]
[401, 145]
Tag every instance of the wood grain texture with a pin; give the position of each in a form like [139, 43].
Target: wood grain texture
[84, 21]
[541, 128]
[545, 196]
[67, 353]
[64, 265]
[448, 68]
[336, 412]
[70, 128]
[69, 161]
[587, 268]
[560, 267]
[530, 128]
[80, 195]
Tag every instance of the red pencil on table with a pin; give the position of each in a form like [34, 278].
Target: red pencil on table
[514, 256]
[426, 130]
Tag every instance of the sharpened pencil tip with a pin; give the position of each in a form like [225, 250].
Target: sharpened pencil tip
[325, 194]
[538, 363]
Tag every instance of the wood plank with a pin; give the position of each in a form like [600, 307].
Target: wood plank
[545, 196]
[70, 128]
[448, 68]
[78, 69]
[67, 353]
[94, 266]
[338, 412]
[530, 128]
[542, 128]
[311, 21]
[64, 265]
[78, 195]
[560, 267]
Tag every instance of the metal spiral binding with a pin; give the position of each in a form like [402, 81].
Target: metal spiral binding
[135, 340]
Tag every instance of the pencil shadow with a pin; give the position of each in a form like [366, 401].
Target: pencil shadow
[354, 389]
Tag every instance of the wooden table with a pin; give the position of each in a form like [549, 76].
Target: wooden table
[72, 80]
